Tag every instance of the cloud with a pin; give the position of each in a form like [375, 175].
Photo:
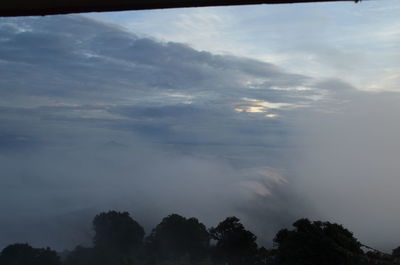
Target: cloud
[332, 140]
[357, 42]
[348, 164]
[93, 117]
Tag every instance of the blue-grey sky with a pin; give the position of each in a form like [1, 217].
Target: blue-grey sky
[358, 42]
[270, 113]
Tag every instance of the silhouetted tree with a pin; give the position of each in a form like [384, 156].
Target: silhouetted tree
[81, 256]
[234, 244]
[317, 242]
[117, 238]
[396, 253]
[266, 256]
[24, 254]
[375, 257]
[176, 237]
[117, 232]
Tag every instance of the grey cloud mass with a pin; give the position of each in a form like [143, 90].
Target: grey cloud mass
[93, 117]
[349, 162]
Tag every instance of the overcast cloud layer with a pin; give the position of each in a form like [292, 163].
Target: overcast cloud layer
[93, 117]
[358, 42]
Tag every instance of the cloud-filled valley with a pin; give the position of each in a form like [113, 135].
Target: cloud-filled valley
[93, 117]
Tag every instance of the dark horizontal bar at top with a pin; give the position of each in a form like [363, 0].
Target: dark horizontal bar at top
[52, 7]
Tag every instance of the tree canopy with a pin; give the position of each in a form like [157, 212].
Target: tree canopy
[317, 243]
[234, 244]
[176, 236]
[118, 239]
[24, 254]
[117, 232]
[176, 240]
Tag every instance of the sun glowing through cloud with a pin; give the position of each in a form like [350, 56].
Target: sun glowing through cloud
[250, 105]
[255, 109]
[271, 116]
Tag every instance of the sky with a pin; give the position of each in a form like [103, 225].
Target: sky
[270, 113]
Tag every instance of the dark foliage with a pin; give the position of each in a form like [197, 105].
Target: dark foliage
[24, 254]
[176, 237]
[81, 256]
[378, 258]
[234, 244]
[177, 240]
[396, 253]
[117, 232]
[118, 240]
[317, 242]
[266, 256]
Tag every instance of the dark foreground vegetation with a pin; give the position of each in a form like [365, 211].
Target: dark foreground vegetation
[176, 240]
